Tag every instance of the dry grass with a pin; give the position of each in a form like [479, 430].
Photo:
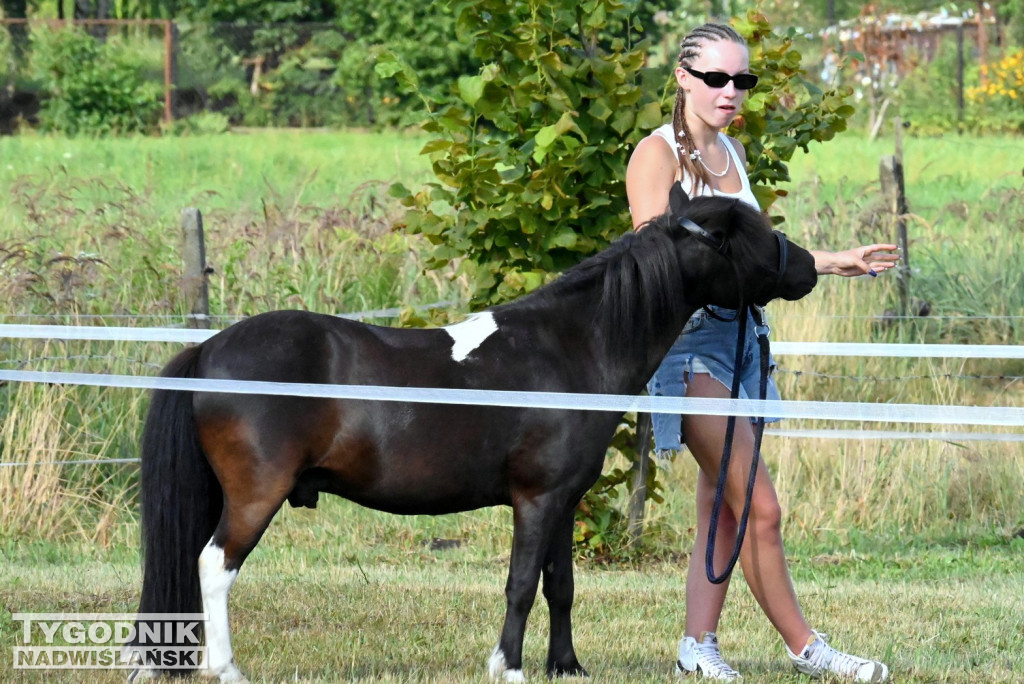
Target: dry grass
[436, 620]
[40, 499]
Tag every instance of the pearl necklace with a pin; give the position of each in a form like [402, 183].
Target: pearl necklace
[696, 155]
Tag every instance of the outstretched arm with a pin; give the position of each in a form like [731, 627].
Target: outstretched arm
[866, 260]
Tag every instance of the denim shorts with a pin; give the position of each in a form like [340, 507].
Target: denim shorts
[707, 345]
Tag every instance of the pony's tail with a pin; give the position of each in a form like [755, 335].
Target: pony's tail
[181, 503]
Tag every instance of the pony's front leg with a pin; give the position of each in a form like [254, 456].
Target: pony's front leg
[559, 591]
[533, 526]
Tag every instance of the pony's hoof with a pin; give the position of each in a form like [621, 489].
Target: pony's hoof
[141, 675]
[226, 674]
[573, 669]
[498, 668]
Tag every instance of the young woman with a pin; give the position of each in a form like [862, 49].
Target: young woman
[713, 77]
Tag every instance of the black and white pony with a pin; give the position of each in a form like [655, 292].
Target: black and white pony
[216, 467]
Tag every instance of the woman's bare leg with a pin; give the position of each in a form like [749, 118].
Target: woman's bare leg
[763, 557]
[704, 600]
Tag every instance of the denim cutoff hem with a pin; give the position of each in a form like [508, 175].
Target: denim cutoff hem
[707, 345]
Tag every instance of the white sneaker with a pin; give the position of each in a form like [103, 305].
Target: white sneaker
[818, 658]
[703, 658]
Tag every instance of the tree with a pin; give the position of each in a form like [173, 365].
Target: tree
[785, 112]
[530, 152]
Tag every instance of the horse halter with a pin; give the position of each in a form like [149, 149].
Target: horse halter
[783, 258]
[717, 244]
[722, 247]
[762, 332]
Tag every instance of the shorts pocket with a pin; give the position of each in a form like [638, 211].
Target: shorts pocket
[696, 321]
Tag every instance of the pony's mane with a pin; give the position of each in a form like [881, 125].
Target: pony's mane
[640, 273]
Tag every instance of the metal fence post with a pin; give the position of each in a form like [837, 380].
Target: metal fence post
[195, 281]
[890, 171]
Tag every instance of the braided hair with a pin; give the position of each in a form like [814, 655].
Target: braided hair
[689, 50]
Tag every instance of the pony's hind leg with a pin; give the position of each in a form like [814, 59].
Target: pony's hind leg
[249, 507]
[559, 591]
[216, 581]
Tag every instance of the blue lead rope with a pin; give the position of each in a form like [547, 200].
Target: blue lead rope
[762, 331]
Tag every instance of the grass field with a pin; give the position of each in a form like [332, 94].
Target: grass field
[324, 601]
[904, 549]
[237, 171]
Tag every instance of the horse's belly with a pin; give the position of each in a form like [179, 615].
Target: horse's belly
[417, 504]
[409, 490]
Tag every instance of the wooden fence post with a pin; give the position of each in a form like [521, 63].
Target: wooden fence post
[638, 496]
[891, 177]
[170, 68]
[195, 281]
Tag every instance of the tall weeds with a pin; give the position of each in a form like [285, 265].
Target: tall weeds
[39, 497]
[91, 249]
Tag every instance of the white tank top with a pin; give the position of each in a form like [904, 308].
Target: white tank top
[744, 195]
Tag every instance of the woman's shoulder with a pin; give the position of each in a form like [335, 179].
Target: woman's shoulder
[657, 144]
[654, 147]
[666, 133]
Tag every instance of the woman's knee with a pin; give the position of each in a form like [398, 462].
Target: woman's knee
[765, 513]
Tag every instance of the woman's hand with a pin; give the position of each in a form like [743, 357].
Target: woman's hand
[866, 260]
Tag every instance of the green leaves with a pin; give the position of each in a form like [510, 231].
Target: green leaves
[530, 150]
[547, 136]
[471, 89]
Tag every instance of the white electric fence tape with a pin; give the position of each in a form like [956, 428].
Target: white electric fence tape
[895, 434]
[189, 336]
[886, 413]
[905, 413]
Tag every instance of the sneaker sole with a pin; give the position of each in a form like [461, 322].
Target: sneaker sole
[683, 672]
[879, 674]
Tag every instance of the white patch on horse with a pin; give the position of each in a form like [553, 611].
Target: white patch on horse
[215, 581]
[470, 334]
[497, 667]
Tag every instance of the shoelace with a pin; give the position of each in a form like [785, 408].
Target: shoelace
[710, 656]
[827, 658]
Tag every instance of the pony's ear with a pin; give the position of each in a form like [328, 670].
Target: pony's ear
[678, 200]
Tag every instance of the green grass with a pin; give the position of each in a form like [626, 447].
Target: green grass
[940, 174]
[324, 598]
[235, 171]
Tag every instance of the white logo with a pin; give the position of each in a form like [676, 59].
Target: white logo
[93, 641]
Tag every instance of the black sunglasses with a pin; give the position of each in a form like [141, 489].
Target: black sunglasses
[719, 79]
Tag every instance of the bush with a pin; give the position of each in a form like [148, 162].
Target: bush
[545, 124]
[927, 96]
[321, 74]
[92, 88]
[531, 152]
